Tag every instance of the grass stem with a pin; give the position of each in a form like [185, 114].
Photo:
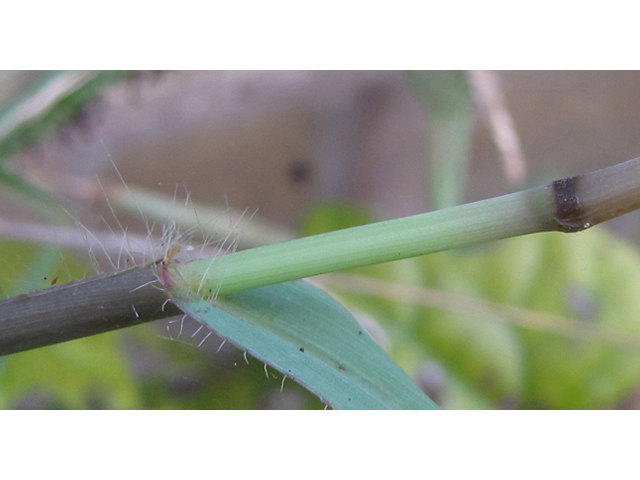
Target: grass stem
[568, 205]
[108, 302]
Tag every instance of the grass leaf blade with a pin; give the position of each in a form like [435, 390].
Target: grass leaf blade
[308, 336]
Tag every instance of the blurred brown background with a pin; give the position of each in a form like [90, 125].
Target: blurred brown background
[277, 141]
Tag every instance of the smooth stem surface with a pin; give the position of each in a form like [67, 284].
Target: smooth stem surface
[568, 205]
[520, 213]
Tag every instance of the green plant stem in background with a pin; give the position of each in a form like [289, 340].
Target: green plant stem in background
[219, 223]
[448, 101]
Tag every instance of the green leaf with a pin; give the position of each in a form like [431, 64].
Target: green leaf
[205, 378]
[308, 336]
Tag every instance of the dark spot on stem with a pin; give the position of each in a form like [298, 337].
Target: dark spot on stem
[569, 214]
[342, 368]
[302, 349]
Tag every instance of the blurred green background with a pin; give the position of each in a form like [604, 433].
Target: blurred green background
[545, 321]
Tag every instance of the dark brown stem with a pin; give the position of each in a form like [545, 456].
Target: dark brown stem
[82, 308]
[595, 197]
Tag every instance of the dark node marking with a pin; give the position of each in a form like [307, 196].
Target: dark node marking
[569, 215]
[342, 368]
[302, 349]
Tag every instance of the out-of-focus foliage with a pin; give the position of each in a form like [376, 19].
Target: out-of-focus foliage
[446, 96]
[591, 279]
[46, 103]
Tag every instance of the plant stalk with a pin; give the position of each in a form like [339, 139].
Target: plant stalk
[109, 302]
[502, 217]
[82, 308]
[569, 205]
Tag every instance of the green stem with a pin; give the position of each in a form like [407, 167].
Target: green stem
[568, 205]
[515, 214]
